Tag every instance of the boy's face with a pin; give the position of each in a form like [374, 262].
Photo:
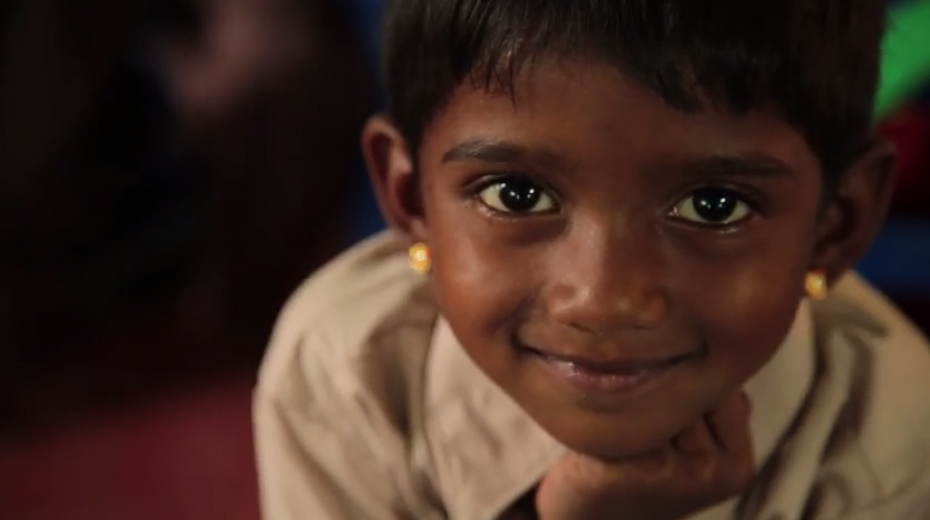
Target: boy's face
[616, 266]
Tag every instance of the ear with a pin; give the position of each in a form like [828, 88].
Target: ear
[856, 210]
[392, 169]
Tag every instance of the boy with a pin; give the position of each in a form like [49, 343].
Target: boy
[623, 219]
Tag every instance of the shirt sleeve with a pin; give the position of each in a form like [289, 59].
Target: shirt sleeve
[308, 467]
[911, 504]
[332, 408]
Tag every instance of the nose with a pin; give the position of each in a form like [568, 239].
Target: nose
[604, 282]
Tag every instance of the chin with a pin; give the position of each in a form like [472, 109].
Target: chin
[610, 437]
[612, 448]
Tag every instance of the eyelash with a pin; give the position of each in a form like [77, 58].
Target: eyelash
[722, 228]
[475, 186]
[748, 196]
[473, 190]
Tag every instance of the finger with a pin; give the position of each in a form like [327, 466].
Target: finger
[696, 439]
[729, 424]
[652, 466]
[697, 450]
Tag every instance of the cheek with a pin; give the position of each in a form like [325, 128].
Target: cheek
[478, 284]
[748, 308]
[481, 297]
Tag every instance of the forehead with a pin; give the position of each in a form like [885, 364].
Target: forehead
[589, 110]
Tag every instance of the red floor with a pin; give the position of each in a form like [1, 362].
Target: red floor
[182, 458]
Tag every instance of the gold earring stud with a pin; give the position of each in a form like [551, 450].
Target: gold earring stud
[815, 283]
[419, 258]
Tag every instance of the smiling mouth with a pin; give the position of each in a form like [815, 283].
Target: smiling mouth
[610, 376]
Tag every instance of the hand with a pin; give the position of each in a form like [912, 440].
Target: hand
[244, 44]
[707, 463]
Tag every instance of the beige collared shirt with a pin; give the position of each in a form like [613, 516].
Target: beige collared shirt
[367, 408]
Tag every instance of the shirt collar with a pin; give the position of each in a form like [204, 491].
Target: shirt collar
[488, 451]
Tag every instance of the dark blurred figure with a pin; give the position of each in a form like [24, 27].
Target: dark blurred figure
[274, 92]
[169, 170]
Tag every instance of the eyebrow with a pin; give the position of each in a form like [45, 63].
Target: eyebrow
[499, 151]
[738, 165]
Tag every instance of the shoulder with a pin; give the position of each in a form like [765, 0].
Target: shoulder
[335, 341]
[340, 382]
[889, 393]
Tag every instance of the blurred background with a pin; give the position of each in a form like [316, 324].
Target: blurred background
[169, 171]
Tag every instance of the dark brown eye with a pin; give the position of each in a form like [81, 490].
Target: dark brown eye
[516, 195]
[713, 207]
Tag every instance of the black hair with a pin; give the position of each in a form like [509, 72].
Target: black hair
[815, 61]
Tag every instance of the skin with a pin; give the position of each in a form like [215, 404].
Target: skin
[614, 260]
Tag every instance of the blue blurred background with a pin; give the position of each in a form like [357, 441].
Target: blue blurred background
[171, 169]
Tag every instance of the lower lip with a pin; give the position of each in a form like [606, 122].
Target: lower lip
[593, 382]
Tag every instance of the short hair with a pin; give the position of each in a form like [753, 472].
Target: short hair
[814, 61]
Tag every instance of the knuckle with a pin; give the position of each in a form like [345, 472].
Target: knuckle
[740, 475]
[703, 467]
[659, 464]
[663, 470]
[745, 405]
